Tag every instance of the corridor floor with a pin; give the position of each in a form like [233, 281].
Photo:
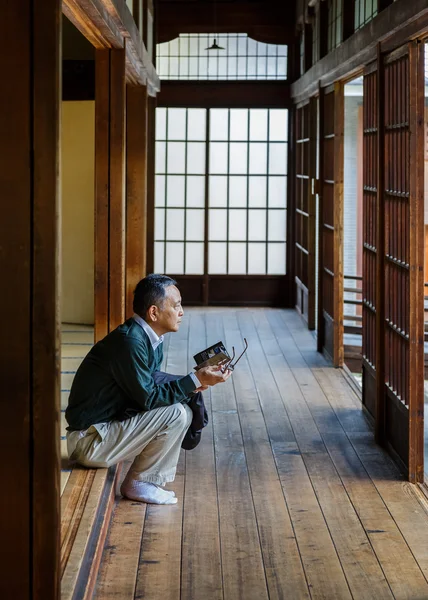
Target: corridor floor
[286, 497]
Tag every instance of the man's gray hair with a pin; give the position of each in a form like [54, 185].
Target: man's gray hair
[150, 291]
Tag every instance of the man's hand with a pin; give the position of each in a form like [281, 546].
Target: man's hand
[209, 376]
[201, 388]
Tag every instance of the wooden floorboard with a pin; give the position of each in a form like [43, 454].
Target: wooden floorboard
[287, 496]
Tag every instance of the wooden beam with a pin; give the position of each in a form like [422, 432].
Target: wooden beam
[29, 315]
[225, 94]
[107, 24]
[136, 189]
[321, 147]
[266, 22]
[151, 137]
[339, 133]
[399, 22]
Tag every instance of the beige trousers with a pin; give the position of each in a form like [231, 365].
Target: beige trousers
[152, 438]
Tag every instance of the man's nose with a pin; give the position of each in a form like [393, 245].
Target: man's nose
[181, 313]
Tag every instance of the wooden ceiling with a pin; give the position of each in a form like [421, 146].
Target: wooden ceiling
[270, 21]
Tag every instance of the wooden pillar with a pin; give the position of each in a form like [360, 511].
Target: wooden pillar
[339, 127]
[29, 258]
[151, 136]
[109, 191]
[136, 189]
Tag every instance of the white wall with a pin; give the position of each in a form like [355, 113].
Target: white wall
[77, 194]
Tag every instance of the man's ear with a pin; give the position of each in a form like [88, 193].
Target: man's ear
[152, 312]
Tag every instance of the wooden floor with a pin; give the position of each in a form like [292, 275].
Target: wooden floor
[286, 497]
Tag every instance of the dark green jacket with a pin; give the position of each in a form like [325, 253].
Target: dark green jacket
[114, 381]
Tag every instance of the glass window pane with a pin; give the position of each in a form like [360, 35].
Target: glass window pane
[161, 123]
[282, 67]
[257, 225]
[176, 123]
[238, 191]
[184, 68]
[193, 45]
[159, 224]
[258, 158]
[218, 157]
[203, 65]
[237, 225]
[193, 67]
[175, 258]
[277, 225]
[276, 259]
[159, 258]
[173, 73]
[271, 67]
[194, 259]
[160, 190]
[258, 124]
[277, 159]
[195, 224]
[222, 67]
[239, 124]
[176, 157]
[217, 258]
[196, 157]
[195, 191]
[252, 67]
[217, 224]
[173, 48]
[175, 190]
[162, 66]
[252, 47]
[175, 224]
[261, 67]
[277, 192]
[231, 65]
[238, 158]
[217, 191]
[196, 123]
[257, 259]
[242, 67]
[278, 125]
[237, 259]
[160, 157]
[257, 195]
[219, 124]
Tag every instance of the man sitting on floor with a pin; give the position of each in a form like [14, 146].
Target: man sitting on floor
[121, 406]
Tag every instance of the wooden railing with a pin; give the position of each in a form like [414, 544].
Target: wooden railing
[352, 324]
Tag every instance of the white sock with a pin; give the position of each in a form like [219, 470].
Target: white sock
[144, 491]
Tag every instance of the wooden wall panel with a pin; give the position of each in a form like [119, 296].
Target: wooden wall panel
[29, 350]
[136, 189]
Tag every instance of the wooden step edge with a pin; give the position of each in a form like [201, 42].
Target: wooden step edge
[95, 519]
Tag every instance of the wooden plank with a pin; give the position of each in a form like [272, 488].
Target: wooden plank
[339, 131]
[201, 575]
[46, 455]
[136, 189]
[101, 249]
[117, 216]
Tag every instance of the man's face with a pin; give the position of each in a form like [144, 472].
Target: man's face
[170, 314]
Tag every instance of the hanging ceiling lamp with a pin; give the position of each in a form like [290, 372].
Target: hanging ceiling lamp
[214, 45]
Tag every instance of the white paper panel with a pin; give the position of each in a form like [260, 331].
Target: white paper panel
[258, 158]
[176, 157]
[242, 67]
[256, 225]
[271, 67]
[257, 259]
[194, 42]
[175, 224]
[175, 190]
[257, 192]
[261, 66]
[159, 224]
[277, 159]
[160, 157]
[194, 259]
[219, 119]
[218, 191]
[175, 258]
[237, 191]
[239, 123]
[196, 191]
[195, 224]
[173, 73]
[161, 123]
[218, 158]
[277, 192]
[238, 158]
[251, 67]
[159, 257]
[258, 124]
[237, 259]
[176, 116]
[217, 224]
[162, 66]
[196, 158]
[276, 259]
[173, 48]
[159, 190]
[277, 225]
[237, 225]
[217, 258]
[278, 125]
[196, 123]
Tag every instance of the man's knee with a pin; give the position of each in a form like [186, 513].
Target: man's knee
[181, 415]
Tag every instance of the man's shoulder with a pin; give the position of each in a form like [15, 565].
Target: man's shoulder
[128, 334]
